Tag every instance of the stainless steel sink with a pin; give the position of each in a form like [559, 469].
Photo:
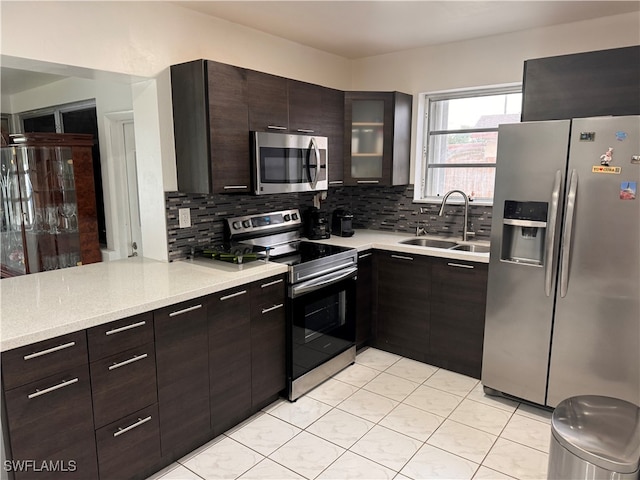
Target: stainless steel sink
[472, 248]
[446, 245]
[429, 242]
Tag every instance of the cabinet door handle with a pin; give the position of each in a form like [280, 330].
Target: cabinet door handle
[275, 282]
[364, 255]
[66, 383]
[368, 181]
[235, 187]
[185, 310]
[237, 294]
[140, 421]
[126, 327]
[336, 182]
[401, 257]
[127, 362]
[49, 350]
[276, 127]
[271, 309]
[305, 130]
[460, 265]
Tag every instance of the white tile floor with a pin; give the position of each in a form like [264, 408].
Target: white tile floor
[385, 417]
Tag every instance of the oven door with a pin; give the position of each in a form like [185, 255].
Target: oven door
[321, 322]
[289, 163]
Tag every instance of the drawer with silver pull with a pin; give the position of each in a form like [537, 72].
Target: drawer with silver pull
[130, 445]
[268, 295]
[114, 337]
[123, 383]
[39, 360]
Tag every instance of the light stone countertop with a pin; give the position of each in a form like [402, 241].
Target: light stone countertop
[48, 304]
[368, 239]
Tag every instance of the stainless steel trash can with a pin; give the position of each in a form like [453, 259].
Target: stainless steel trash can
[595, 438]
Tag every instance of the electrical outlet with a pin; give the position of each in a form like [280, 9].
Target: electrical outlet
[184, 217]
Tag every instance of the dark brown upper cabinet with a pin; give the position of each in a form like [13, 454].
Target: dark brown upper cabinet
[216, 106]
[601, 83]
[211, 127]
[377, 134]
[268, 102]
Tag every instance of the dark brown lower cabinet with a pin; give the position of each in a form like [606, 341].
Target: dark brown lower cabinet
[458, 299]
[182, 362]
[230, 358]
[268, 340]
[364, 299]
[50, 425]
[129, 447]
[403, 287]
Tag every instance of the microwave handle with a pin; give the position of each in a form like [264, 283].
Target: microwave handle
[313, 182]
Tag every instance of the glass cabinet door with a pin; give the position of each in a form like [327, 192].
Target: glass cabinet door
[12, 251]
[52, 236]
[39, 210]
[367, 138]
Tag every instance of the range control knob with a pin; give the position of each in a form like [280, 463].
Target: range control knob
[294, 216]
[246, 223]
[235, 225]
[287, 217]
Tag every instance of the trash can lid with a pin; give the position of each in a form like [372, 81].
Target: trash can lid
[601, 430]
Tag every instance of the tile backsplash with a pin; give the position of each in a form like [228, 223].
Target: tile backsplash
[378, 208]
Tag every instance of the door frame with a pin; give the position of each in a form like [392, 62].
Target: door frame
[120, 206]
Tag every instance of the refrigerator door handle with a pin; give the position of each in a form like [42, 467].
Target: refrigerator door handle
[550, 239]
[565, 251]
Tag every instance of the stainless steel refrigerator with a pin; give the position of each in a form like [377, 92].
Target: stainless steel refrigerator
[563, 299]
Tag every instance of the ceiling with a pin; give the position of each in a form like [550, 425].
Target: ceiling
[357, 29]
[14, 80]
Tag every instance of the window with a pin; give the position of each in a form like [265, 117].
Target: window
[460, 140]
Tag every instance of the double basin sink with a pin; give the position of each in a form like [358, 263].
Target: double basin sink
[446, 245]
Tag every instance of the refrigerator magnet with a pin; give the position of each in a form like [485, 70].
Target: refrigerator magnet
[606, 157]
[621, 136]
[635, 160]
[628, 190]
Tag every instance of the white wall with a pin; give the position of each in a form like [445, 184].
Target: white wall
[144, 38]
[491, 60]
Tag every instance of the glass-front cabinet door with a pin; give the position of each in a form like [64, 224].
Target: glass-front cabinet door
[378, 136]
[42, 214]
[367, 139]
[12, 250]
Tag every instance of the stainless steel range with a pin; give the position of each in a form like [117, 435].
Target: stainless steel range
[321, 295]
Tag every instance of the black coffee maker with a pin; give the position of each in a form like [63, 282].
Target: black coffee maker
[316, 226]
[342, 223]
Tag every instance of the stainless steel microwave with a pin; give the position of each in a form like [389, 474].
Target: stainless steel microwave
[288, 162]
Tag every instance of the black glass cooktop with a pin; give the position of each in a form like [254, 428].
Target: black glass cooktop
[309, 251]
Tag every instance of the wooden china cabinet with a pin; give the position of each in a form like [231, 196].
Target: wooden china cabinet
[48, 208]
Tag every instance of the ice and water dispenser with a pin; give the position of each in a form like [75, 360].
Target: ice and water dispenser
[523, 232]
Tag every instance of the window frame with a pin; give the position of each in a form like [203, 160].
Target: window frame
[422, 138]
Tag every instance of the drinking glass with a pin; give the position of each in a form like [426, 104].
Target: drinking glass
[52, 219]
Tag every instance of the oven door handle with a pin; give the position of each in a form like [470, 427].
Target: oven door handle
[320, 282]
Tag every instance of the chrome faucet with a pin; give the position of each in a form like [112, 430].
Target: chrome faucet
[465, 230]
